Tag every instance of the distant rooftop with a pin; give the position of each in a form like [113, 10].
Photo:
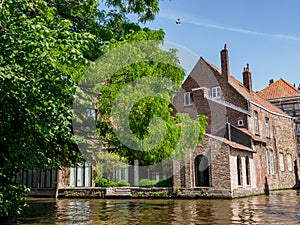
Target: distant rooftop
[279, 89]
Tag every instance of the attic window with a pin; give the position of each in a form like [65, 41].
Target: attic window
[216, 92]
[187, 99]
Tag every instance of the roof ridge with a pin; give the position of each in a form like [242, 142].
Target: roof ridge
[211, 65]
[279, 89]
[266, 103]
[289, 84]
[233, 80]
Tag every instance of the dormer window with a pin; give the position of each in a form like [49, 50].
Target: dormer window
[187, 99]
[216, 92]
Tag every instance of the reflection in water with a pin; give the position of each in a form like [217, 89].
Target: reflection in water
[281, 207]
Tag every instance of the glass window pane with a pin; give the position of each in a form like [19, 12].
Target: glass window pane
[34, 180]
[281, 162]
[289, 162]
[53, 179]
[42, 181]
[72, 177]
[87, 181]
[24, 178]
[48, 178]
[79, 176]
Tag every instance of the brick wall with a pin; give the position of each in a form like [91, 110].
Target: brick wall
[217, 154]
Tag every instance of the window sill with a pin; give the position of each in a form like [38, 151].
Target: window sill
[188, 105]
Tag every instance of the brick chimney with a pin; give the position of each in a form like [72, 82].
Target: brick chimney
[247, 79]
[225, 62]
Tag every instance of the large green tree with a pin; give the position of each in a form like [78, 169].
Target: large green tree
[45, 46]
[134, 102]
[39, 57]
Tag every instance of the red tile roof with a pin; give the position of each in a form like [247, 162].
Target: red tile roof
[279, 89]
[253, 96]
[230, 143]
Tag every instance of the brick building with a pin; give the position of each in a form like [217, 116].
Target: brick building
[249, 147]
[286, 97]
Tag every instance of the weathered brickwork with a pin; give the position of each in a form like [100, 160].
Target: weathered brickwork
[258, 153]
[217, 154]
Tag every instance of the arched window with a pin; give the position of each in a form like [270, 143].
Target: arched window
[247, 170]
[239, 169]
[201, 171]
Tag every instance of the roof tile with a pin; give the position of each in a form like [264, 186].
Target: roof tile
[279, 89]
[253, 96]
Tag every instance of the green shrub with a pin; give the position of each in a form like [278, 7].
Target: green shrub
[141, 194]
[102, 182]
[147, 183]
[165, 183]
[176, 193]
[112, 184]
[123, 183]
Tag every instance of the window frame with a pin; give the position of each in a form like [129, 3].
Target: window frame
[256, 122]
[239, 170]
[281, 162]
[216, 92]
[267, 124]
[272, 163]
[289, 162]
[268, 162]
[298, 129]
[187, 95]
[248, 170]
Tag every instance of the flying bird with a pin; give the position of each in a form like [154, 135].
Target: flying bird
[178, 21]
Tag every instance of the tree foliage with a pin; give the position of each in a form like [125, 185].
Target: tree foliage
[40, 58]
[105, 164]
[45, 47]
[139, 127]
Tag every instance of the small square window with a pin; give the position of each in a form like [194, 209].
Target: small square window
[216, 92]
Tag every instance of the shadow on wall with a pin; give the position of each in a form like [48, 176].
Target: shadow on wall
[266, 189]
[297, 182]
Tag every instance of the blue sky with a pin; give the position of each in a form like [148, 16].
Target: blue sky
[265, 34]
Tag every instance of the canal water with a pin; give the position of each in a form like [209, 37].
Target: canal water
[280, 207]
